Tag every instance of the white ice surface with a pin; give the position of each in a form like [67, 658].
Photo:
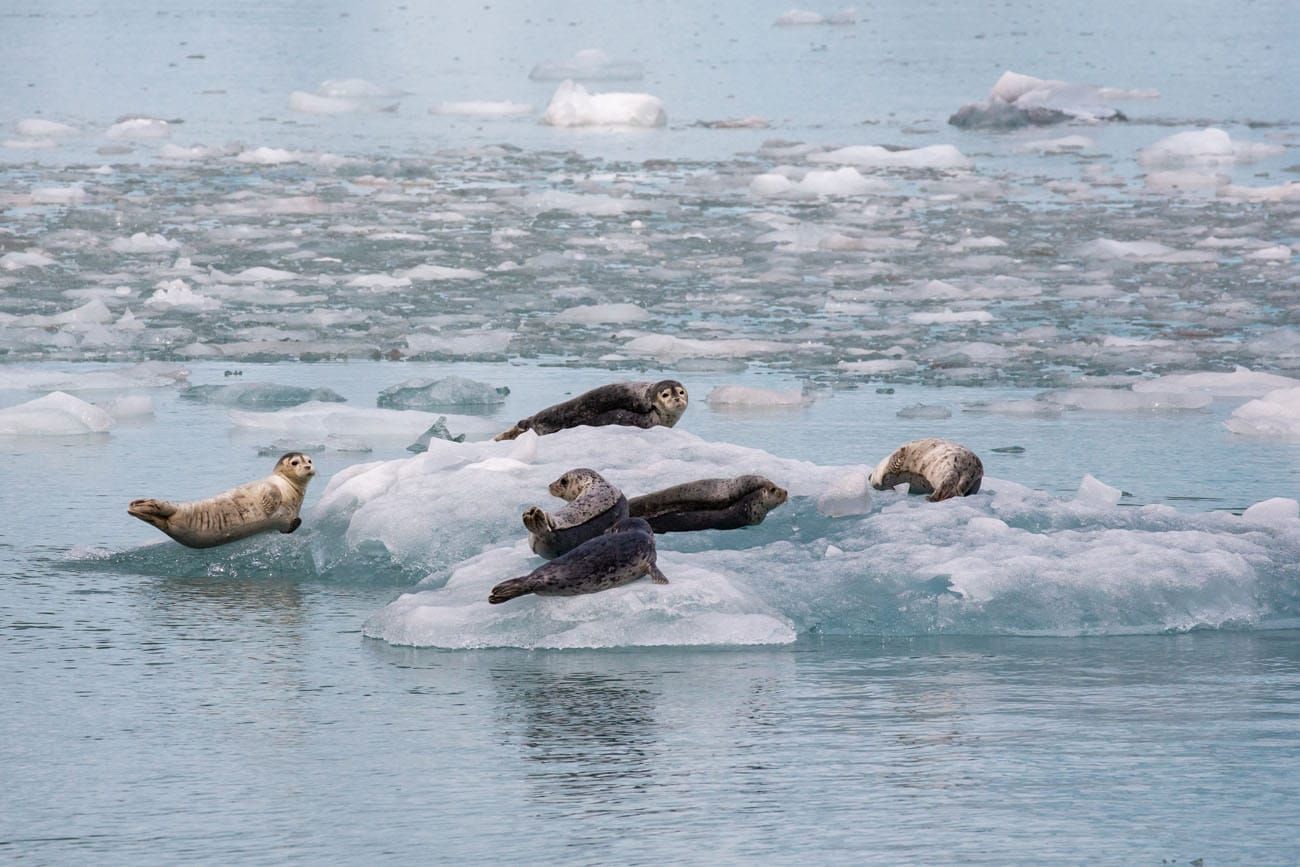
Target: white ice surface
[1276, 414]
[1242, 382]
[573, 105]
[316, 420]
[55, 414]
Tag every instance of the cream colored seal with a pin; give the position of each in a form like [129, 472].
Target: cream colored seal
[256, 507]
[938, 467]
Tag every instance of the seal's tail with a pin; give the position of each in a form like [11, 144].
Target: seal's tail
[507, 590]
[154, 512]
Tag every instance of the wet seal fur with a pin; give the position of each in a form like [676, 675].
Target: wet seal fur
[594, 505]
[624, 553]
[637, 404]
[709, 504]
[271, 503]
[938, 467]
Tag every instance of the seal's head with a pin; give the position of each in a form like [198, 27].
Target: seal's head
[575, 483]
[296, 467]
[764, 500]
[631, 525]
[670, 399]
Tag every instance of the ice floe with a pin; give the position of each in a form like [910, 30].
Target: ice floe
[344, 96]
[139, 128]
[807, 17]
[55, 414]
[1019, 100]
[1276, 414]
[449, 391]
[573, 105]
[1210, 146]
[316, 420]
[259, 395]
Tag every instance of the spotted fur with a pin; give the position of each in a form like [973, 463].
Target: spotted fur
[621, 555]
[636, 404]
[709, 504]
[594, 505]
[938, 467]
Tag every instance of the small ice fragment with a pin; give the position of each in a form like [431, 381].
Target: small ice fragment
[450, 391]
[1278, 510]
[55, 414]
[141, 242]
[1097, 494]
[572, 105]
[137, 128]
[849, 494]
[35, 127]
[437, 431]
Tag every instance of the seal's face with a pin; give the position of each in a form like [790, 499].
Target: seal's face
[296, 467]
[574, 484]
[670, 399]
[774, 495]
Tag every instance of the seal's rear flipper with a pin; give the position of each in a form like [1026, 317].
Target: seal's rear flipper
[508, 590]
[297, 522]
[513, 433]
[656, 576]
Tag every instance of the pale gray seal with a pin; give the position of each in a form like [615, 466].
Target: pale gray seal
[637, 404]
[938, 467]
[594, 505]
[709, 504]
[624, 553]
[266, 504]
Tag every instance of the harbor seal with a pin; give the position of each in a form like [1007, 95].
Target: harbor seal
[594, 505]
[271, 503]
[621, 555]
[709, 504]
[638, 404]
[938, 467]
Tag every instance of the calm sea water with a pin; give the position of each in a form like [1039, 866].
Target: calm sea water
[152, 716]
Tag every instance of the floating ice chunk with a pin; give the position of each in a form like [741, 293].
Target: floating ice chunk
[725, 396]
[434, 393]
[379, 282]
[668, 347]
[416, 508]
[342, 96]
[150, 374]
[588, 204]
[16, 261]
[1242, 382]
[950, 316]
[267, 156]
[846, 181]
[1276, 414]
[1097, 494]
[139, 128]
[1117, 400]
[1022, 100]
[1015, 408]
[26, 143]
[259, 395]
[93, 311]
[482, 108]
[1142, 251]
[589, 64]
[437, 431]
[261, 274]
[56, 414]
[1208, 146]
[73, 195]
[602, 314]
[470, 344]
[36, 127]
[317, 420]
[1278, 510]
[878, 366]
[142, 242]
[848, 494]
[806, 17]
[1287, 192]
[177, 294]
[439, 272]
[925, 411]
[573, 105]
[1277, 253]
[191, 153]
[942, 156]
[698, 607]
[752, 121]
[1065, 144]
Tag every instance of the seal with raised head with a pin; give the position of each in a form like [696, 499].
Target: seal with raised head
[637, 404]
[594, 505]
[621, 555]
[938, 467]
[709, 504]
[271, 503]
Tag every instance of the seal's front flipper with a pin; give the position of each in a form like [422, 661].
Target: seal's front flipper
[297, 522]
[656, 576]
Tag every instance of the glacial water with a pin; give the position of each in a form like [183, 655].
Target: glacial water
[1095, 658]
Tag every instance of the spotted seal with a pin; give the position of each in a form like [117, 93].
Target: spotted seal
[709, 504]
[938, 467]
[594, 505]
[621, 555]
[637, 404]
[271, 503]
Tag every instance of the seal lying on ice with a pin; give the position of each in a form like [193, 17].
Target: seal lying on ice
[266, 504]
[709, 504]
[620, 556]
[638, 404]
[938, 467]
[594, 505]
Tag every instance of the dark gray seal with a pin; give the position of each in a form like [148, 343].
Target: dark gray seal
[709, 504]
[637, 404]
[938, 467]
[594, 505]
[620, 556]
[266, 504]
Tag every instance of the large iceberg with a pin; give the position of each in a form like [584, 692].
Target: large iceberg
[573, 105]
